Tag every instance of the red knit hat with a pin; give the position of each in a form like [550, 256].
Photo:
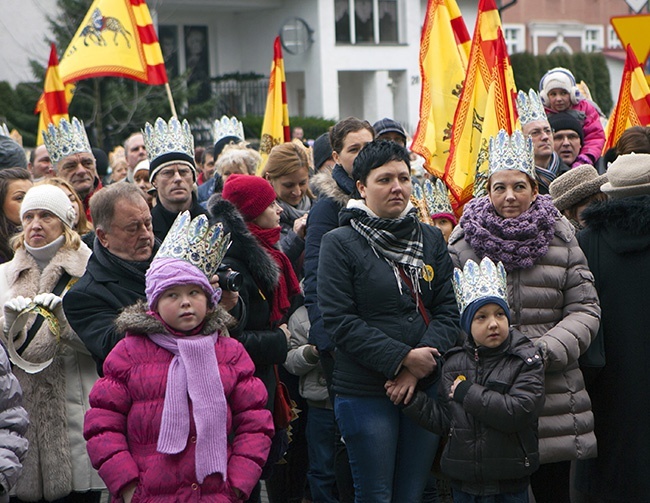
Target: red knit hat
[249, 193]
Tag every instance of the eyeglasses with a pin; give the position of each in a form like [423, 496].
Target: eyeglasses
[535, 133]
[168, 173]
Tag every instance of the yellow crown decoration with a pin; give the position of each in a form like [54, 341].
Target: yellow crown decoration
[66, 139]
[511, 152]
[197, 242]
[477, 281]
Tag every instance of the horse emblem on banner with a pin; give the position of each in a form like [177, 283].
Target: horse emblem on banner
[98, 24]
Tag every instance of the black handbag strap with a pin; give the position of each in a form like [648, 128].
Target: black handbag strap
[31, 333]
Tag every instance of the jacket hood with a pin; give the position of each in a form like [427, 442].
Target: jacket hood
[244, 247]
[134, 319]
[326, 186]
[623, 223]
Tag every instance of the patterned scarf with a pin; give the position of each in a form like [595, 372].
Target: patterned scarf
[546, 175]
[517, 242]
[398, 240]
[288, 285]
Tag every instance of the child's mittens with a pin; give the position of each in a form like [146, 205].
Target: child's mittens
[459, 388]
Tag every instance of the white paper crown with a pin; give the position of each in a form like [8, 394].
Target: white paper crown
[163, 138]
[437, 196]
[479, 281]
[4, 130]
[197, 242]
[66, 139]
[512, 152]
[227, 127]
[530, 107]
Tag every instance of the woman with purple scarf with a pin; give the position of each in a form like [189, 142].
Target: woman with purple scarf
[551, 294]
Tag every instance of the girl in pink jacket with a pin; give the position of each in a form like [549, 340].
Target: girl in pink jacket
[178, 415]
[559, 93]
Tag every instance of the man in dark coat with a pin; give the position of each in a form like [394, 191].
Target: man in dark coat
[616, 243]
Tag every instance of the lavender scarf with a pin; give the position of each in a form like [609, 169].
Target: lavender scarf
[517, 242]
[194, 371]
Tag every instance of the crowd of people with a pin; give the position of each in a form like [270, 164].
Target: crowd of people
[193, 325]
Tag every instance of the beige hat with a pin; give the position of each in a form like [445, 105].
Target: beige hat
[575, 185]
[628, 175]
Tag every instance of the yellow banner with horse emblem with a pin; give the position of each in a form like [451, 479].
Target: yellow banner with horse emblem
[115, 39]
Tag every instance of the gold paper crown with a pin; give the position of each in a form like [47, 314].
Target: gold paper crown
[479, 281]
[66, 139]
[530, 107]
[512, 152]
[163, 138]
[197, 242]
[432, 198]
[420, 203]
[227, 127]
[4, 130]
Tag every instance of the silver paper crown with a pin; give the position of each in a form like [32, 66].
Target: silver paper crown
[437, 197]
[66, 139]
[163, 138]
[479, 281]
[197, 242]
[511, 152]
[530, 107]
[227, 127]
[4, 130]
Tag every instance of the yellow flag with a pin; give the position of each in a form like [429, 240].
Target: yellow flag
[52, 106]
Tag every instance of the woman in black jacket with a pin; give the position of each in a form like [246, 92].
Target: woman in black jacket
[385, 293]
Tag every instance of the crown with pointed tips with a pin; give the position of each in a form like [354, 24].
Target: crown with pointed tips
[418, 200]
[479, 281]
[225, 127]
[437, 197]
[4, 130]
[166, 142]
[530, 107]
[512, 152]
[66, 139]
[197, 242]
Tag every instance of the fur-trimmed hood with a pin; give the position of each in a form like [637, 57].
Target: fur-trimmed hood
[134, 319]
[245, 247]
[325, 186]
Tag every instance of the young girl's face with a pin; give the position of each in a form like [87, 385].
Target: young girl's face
[490, 326]
[559, 99]
[445, 225]
[183, 307]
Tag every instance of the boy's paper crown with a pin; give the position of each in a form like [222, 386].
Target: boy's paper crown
[476, 281]
[512, 152]
[530, 107]
[66, 139]
[226, 126]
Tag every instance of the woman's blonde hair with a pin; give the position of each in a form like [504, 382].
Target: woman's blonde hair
[287, 159]
[238, 154]
[84, 226]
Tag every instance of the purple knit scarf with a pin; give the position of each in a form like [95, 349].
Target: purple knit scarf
[517, 242]
[194, 371]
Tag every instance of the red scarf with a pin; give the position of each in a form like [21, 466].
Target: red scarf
[288, 284]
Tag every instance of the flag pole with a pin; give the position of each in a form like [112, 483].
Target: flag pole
[171, 99]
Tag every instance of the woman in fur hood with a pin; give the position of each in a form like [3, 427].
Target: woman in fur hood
[49, 257]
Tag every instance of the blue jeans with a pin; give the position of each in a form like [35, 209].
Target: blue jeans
[463, 497]
[390, 456]
[321, 436]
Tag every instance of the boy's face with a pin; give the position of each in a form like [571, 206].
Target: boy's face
[559, 99]
[490, 326]
[183, 307]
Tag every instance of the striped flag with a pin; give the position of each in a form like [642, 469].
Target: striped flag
[115, 39]
[444, 51]
[487, 104]
[53, 103]
[275, 127]
[633, 105]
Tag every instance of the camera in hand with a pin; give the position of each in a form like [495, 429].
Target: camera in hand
[229, 280]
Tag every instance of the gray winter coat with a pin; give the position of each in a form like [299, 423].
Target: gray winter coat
[555, 301]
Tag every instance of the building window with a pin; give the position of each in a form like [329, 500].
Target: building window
[374, 21]
[613, 41]
[592, 40]
[514, 37]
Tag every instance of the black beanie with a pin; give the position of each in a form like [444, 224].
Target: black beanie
[322, 150]
[563, 120]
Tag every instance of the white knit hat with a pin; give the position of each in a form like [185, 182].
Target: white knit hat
[142, 165]
[50, 198]
[558, 78]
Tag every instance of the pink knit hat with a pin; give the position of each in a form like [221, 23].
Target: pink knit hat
[250, 194]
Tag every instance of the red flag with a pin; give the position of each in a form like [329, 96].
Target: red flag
[633, 105]
[53, 103]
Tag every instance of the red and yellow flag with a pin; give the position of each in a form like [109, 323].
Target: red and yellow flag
[633, 105]
[275, 127]
[487, 104]
[444, 51]
[115, 39]
[53, 103]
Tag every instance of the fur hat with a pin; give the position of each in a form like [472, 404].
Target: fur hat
[50, 198]
[562, 121]
[575, 185]
[628, 175]
[249, 193]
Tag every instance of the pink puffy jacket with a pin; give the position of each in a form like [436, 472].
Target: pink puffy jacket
[123, 424]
